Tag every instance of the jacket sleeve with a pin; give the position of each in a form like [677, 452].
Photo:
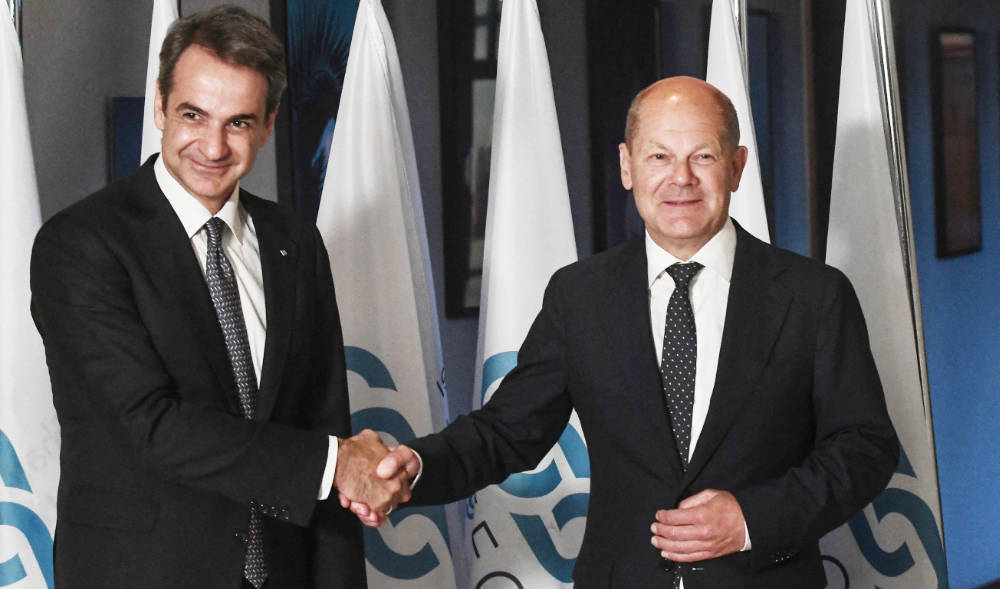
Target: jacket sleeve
[855, 449]
[515, 429]
[338, 548]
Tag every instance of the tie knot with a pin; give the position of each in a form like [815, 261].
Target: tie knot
[683, 273]
[214, 228]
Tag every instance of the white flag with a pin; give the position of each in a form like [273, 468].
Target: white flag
[897, 541]
[371, 219]
[725, 72]
[529, 527]
[29, 433]
[164, 14]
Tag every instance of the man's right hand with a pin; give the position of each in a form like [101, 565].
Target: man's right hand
[357, 483]
[400, 463]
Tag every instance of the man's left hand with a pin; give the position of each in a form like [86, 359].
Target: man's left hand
[706, 525]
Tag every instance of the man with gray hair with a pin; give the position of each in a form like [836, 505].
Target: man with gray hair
[193, 342]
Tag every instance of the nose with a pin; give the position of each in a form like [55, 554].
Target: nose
[213, 143]
[681, 174]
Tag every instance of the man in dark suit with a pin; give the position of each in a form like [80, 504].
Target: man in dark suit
[726, 388]
[193, 342]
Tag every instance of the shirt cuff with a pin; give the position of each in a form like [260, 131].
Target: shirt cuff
[746, 543]
[326, 484]
[420, 471]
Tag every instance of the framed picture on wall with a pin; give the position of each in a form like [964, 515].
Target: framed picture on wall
[317, 37]
[467, 36]
[126, 136]
[958, 209]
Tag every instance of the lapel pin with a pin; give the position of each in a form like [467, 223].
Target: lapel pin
[283, 253]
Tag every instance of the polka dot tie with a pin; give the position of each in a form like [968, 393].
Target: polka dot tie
[680, 354]
[226, 299]
[677, 365]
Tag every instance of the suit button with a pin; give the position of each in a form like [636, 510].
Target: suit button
[779, 557]
[668, 565]
[285, 515]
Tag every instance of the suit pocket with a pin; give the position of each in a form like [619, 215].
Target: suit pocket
[110, 507]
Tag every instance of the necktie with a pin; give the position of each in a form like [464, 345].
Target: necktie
[677, 364]
[226, 299]
[680, 354]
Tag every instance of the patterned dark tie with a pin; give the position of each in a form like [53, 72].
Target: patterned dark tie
[226, 298]
[680, 354]
[677, 364]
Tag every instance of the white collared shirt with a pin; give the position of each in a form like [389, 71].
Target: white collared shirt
[239, 244]
[242, 249]
[709, 300]
[709, 297]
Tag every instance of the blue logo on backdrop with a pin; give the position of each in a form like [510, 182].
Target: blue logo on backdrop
[23, 519]
[918, 513]
[543, 482]
[390, 421]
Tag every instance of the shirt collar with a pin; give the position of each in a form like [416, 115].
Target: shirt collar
[716, 256]
[193, 214]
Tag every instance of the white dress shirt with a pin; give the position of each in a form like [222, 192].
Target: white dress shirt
[709, 299]
[242, 249]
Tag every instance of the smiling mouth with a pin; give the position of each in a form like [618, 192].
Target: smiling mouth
[215, 169]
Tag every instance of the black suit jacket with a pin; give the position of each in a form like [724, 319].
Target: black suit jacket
[797, 427]
[159, 470]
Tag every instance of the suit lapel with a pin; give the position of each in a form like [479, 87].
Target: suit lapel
[175, 269]
[755, 312]
[638, 373]
[278, 260]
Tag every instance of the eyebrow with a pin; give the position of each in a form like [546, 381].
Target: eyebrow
[193, 108]
[699, 147]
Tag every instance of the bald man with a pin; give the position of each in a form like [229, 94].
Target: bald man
[726, 387]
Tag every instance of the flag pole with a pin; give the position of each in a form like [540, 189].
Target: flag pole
[888, 85]
[14, 8]
[740, 12]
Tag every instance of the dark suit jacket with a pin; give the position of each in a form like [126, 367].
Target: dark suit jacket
[159, 470]
[797, 427]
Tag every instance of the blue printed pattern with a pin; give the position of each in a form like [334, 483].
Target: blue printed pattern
[226, 299]
[391, 422]
[22, 519]
[918, 513]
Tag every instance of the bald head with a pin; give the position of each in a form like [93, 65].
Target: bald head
[680, 90]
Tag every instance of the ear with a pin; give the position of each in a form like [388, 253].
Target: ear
[158, 115]
[738, 164]
[625, 161]
[268, 127]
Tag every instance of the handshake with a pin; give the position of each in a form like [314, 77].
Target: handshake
[372, 478]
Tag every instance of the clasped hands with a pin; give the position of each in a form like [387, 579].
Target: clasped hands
[371, 478]
[706, 525]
